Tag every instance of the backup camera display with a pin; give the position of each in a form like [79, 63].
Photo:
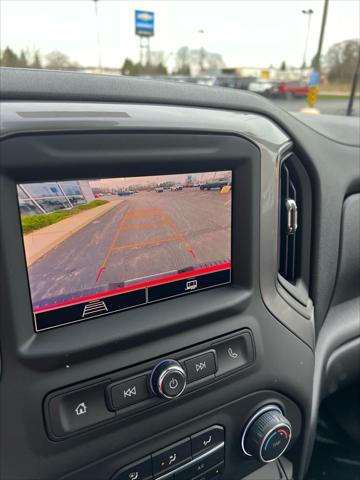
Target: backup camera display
[95, 247]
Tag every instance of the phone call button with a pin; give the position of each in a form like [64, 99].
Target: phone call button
[171, 457]
[234, 352]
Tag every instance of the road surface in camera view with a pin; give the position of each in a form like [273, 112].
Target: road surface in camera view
[147, 234]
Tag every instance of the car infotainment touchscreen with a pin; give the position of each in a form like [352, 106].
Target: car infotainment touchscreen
[95, 247]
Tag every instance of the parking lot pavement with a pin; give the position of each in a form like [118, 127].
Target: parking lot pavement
[148, 233]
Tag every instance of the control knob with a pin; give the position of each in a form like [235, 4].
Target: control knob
[168, 379]
[267, 434]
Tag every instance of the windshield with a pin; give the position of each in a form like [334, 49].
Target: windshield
[302, 55]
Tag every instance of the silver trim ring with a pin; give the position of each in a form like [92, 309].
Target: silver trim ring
[252, 420]
[267, 435]
[162, 376]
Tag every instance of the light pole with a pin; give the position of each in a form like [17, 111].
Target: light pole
[321, 38]
[308, 12]
[201, 52]
[353, 87]
[98, 36]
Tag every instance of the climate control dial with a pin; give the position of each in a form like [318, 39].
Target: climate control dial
[168, 379]
[267, 434]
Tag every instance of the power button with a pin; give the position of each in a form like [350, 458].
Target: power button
[168, 379]
[173, 384]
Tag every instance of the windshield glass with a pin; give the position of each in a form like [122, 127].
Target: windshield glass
[299, 54]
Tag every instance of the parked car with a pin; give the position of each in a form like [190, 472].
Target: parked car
[217, 184]
[264, 87]
[290, 89]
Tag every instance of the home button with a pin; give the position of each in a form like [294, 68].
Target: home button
[77, 409]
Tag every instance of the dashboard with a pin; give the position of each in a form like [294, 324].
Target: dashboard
[175, 331]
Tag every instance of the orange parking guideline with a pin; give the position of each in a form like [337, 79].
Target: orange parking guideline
[146, 215]
[143, 214]
[145, 225]
[186, 242]
[107, 256]
[146, 244]
[146, 210]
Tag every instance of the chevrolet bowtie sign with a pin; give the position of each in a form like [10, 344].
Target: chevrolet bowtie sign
[144, 23]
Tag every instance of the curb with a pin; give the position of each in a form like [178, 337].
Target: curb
[31, 259]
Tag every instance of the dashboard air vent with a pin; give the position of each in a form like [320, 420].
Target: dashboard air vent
[290, 202]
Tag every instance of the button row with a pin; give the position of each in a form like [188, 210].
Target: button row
[184, 460]
[134, 390]
[72, 410]
[226, 355]
[213, 473]
[198, 468]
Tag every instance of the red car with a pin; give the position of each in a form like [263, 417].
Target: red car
[290, 89]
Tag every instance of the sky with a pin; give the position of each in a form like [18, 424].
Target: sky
[180, 178]
[256, 33]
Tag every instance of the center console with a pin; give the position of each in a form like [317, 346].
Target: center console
[153, 331]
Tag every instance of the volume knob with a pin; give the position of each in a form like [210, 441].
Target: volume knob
[168, 379]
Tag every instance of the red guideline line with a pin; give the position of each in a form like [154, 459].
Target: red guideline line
[138, 286]
[101, 269]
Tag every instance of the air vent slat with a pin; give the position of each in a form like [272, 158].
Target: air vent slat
[288, 223]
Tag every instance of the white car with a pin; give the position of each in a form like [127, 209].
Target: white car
[261, 86]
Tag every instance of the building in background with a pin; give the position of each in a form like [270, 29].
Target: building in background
[271, 73]
[40, 198]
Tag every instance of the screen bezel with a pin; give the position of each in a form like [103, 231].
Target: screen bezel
[68, 155]
[147, 302]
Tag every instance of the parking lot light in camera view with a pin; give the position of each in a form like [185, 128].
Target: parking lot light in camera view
[155, 238]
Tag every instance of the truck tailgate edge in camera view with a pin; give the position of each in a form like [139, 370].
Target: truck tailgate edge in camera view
[95, 247]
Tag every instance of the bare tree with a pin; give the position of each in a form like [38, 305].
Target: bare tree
[36, 60]
[341, 60]
[59, 61]
[183, 61]
[200, 60]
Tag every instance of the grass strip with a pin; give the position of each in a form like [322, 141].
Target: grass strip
[330, 96]
[30, 223]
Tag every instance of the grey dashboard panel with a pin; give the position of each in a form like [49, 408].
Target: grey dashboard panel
[337, 351]
[337, 348]
[348, 278]
[35, 117]
[346, 131]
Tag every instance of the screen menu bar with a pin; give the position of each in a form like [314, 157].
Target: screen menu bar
[106, 304]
